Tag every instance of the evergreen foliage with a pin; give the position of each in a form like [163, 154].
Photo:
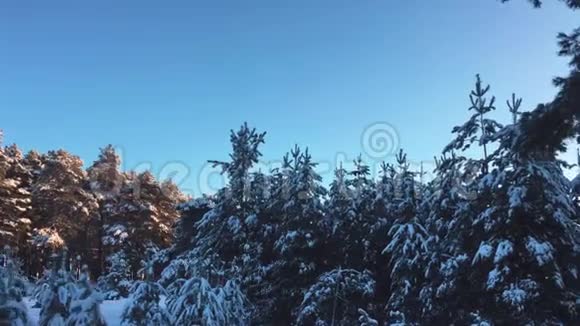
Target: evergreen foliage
[85, 303]
[13, 286]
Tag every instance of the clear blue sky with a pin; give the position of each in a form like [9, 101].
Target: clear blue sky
[166, 80]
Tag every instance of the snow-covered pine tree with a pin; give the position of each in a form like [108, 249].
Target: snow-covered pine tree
[384, 202]
[61, 201]
[385, 212]
[365, 319]
[45, 243]
[356, 226]
[239, 215]
[56, 295]
[259, 193]
[237, 307]
[185, 231]
[143, 217]
[280, 183]
[362, 186]
[373, 217]
[15, 200]
[85, 305]
[265, 227]
[34, 260]
[340, 213]
[261, 293]
[11, 264]
[181, 256]
[257, 250]
[245, 153]
[363, 250]
[219, 223]
[518, 253]
[105, 181]
[13, 310]
[279, 194]
[527, 265]
[259, 204]
[105, 178]
[156, 220]
[228, 217]
[143, 306]
[115, 284]
[407, 250]
[448, 206]
[168, 204]
[478, 128]
[452, 206]
[198, 303]
[336, 297]
[449, 191]
[242, 215]
[302, 235]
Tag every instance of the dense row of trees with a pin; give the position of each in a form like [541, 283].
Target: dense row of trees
[49, 202]
[493, 239]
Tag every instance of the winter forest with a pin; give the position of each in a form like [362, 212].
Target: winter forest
[493, 239]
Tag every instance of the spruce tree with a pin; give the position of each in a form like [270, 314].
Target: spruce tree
[511, 240]
[448, 208]
[15, 200]
[336, 297]
[198, 303]
[245, 153]
[105, 181]
[240, 215]
[142, 218]
[478, 128]
[185, 231]
[407, 250]
[84, 309]
[34, 260]
[115, 284]
[363, 249]
[143, 307]
[340, 213]
[453, 205]
[365, 319]
[13, 310]
[301, 239]
[61, 201]
[56, 295]
[527, 261]
[384, 202]
[45, 243]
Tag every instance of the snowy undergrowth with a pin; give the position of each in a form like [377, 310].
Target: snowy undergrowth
[112, 311]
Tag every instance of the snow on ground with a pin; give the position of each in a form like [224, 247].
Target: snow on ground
[33, 312]
[111, 310]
